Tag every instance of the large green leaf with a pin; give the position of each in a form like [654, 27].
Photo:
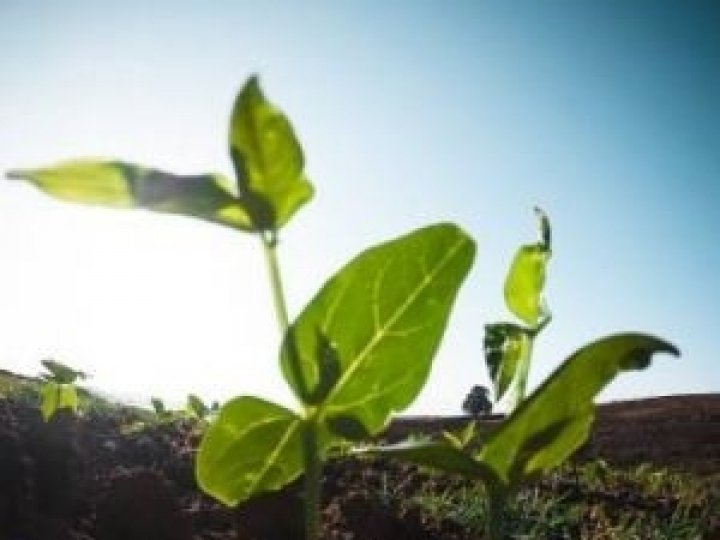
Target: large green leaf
[556, 419]
[252, 447]
[118, 184]
[268, 159]
[384, 314]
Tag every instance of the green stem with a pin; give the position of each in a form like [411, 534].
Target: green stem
[524, 372]
[313, 471]
[311, 452]
[269, 241]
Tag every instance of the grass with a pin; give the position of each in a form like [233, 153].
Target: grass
[634, 503]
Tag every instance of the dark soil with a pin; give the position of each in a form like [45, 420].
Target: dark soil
[91, 478]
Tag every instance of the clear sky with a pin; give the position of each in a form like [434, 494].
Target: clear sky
[606, 114]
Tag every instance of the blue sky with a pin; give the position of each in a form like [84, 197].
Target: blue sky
[606, 114]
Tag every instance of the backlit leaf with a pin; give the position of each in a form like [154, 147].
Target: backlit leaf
[117, 184]
[268, 160]
[556, 419]
[60, 373]
[525, 281]
[56, 396]
[252, 447]
[385, 313]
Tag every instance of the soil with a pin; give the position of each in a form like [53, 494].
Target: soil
[89, 478]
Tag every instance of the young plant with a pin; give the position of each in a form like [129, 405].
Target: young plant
[362, 348]
[508, 345]
[199, 411]
[58, 390]
[162, 413]
[544, 431]
[359, 351]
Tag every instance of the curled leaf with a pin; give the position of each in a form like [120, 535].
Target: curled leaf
[555, 420]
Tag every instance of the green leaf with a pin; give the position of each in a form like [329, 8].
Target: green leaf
[61, 373]
[460, 439]
[159, 407]
[252, 447]
[556, 419]
[56, 396]
[347, 427]
[327, 368]
[385, 313]
[525, 281]
[268, 160]
[117, 184]
[506, 347]
[442, 455]
[526, 278]
[196, 407]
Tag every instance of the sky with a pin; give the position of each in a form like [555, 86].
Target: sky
[605, 114]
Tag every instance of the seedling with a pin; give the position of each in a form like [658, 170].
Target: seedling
[508, 345]
[58, 391]
[362, 348]
[198, 411]
[162, 413]
[545, 429]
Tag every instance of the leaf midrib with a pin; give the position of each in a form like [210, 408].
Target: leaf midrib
[380, 332]
[274, 454]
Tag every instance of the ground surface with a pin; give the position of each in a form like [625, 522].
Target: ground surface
[93, 478]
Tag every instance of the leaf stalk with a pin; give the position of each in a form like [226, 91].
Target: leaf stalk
[269, 242]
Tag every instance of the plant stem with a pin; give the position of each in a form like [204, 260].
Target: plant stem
[313, 471]
[523, 373]
[269, 241]
[313, 463]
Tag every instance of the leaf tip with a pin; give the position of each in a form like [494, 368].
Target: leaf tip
[17, 174]
[641, 356]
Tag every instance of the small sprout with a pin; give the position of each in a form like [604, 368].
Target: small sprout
[58, 391]
[161, 411]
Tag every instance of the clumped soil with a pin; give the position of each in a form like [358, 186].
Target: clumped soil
[90, 478]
